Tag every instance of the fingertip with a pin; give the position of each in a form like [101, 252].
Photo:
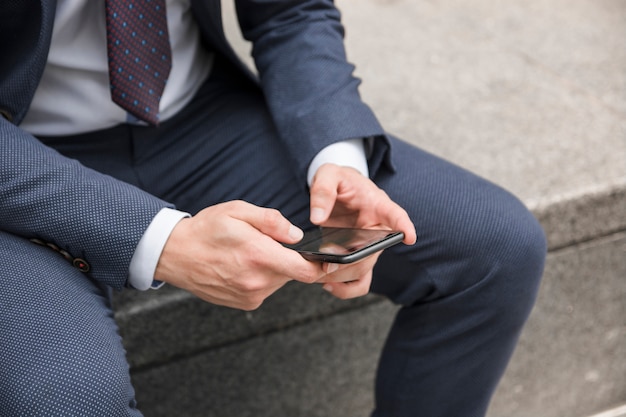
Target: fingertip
[318, 215]
[329, 268]
[410, 240]
[410, 237]
[410, 234]
[295, 233]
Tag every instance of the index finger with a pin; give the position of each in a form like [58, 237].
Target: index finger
[293, 265]
[398, 219]
[268, 221]
[323, 195]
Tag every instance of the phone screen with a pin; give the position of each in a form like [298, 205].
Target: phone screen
[339, 245]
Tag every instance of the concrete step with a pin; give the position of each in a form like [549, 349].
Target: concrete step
[527, 93]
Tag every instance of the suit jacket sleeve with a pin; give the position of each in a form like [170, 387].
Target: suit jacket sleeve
[92, 216]
[309, 85]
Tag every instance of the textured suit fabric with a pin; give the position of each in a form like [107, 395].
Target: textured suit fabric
[60, 353]
[465, 288]
[283, 33]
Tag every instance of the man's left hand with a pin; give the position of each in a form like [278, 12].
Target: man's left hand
[343, 197]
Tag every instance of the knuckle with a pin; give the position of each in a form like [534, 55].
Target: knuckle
[342, 295]
[256, 261]
[308, 276]
[229, 208]
[273, 218]
[363, 291]
[234, 204]
[354, 293]
[251, 306]
[250, 295]
[327, 169]
[250, 286]
[255, 301]
[324, 191]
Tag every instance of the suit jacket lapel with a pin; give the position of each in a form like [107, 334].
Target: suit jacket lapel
[25, 33]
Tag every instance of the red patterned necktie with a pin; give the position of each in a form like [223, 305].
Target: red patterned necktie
[140, 57]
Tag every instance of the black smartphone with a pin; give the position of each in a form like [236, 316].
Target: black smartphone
[344, 246]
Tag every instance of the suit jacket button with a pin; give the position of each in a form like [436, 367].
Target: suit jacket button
[6, 114]
[81, 264]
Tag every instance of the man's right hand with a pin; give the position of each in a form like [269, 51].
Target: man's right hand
[229, 254]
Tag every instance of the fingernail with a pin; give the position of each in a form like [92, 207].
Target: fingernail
[295, 233]
[317, 215]
[328, 287]
[331, 268]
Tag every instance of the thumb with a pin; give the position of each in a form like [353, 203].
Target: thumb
[268, 221]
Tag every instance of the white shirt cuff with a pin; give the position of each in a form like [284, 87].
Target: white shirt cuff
[146, 257]
[349, 152]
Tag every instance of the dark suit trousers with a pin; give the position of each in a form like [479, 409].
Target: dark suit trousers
[466, 287]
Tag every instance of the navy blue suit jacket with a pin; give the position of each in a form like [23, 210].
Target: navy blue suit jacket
[309, 87]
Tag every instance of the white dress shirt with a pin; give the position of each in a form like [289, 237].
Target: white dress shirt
[74, 97]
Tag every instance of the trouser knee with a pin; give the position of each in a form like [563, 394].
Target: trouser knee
[61, 352]
[507, 265]
[494, 250]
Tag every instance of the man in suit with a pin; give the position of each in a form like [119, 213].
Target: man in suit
[94, 195]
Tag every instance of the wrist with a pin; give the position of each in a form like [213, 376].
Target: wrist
[142, 268]
[165, 268]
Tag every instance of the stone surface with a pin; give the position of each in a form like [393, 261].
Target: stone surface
[323, 368]
[160, 327]
[569, 219]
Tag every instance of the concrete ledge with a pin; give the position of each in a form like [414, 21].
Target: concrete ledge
[614, 412]
[582, 215]
[170, 324]
[321, 368]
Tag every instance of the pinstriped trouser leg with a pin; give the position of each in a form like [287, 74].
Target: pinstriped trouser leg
[466, 288]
